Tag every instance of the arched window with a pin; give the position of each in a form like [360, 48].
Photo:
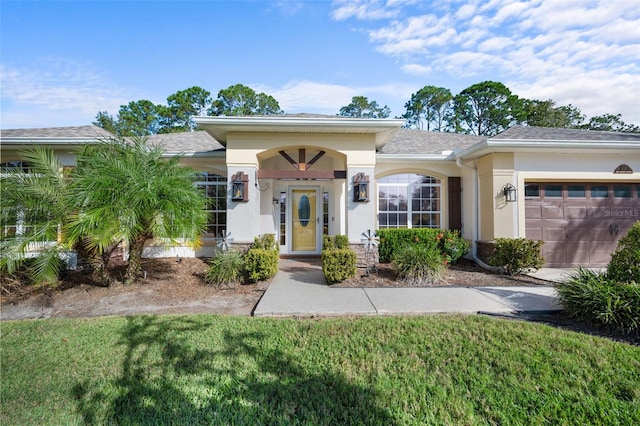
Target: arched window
[409, 201]
[215, 189]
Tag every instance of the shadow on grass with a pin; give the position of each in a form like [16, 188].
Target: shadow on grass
[167, 378]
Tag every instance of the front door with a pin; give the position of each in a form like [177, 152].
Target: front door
[305, 220]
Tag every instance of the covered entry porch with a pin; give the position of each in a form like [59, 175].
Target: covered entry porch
[300, 177]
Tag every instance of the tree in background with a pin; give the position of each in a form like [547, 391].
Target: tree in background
[361, 107]
[140, 118]
[181, 106]
[428, 108]
[485, 108]
[242, 100]
[611, 123]
[127, 192]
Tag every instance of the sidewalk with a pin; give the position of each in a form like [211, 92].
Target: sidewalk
[299, 289]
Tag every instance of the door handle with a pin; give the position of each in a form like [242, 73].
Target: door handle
[318, 220]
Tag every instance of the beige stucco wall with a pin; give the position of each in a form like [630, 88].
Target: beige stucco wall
[497, 217]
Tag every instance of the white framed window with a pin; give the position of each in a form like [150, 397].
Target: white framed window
[409, 201]
[215, 190]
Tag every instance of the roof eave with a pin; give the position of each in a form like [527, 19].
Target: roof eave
[526, 145]
[219, 127]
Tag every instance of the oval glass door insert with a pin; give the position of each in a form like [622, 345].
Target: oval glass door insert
[304, 210]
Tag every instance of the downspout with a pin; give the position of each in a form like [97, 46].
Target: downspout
[476, 205]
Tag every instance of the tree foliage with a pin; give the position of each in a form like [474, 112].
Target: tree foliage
[428, 108]
[485, 108]
[361, 107]
[126, 191]
[119, 191]
[33, 207]
[143, 117]
[242, 100]
[181, 106]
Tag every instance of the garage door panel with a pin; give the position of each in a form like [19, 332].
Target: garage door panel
[533, 212]
[553, 212]
[575, 212]
[555, 234]
[554, 253]
[581, 228]
[578, 252]
[599, 233]
[535, 234]
[577, 232]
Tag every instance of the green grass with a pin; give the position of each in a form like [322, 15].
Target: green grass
[387, 371]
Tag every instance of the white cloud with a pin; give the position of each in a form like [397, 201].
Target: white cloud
[303, 96]
[416, 69]
[363, 9]
[57, 91]
[555, 49]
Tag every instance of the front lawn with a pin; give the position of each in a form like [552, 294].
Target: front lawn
[389, 371]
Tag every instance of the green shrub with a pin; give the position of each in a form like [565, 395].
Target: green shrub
[260, 264]
[448, 242]
[452, 246]
[392, 240]
[418, 264]
[226, 267]
[591, 296]
[625, 261]
[517, 255]
[338, 264]
[335, 241]
[265, 242]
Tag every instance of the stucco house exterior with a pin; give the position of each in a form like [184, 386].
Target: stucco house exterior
[302, 176]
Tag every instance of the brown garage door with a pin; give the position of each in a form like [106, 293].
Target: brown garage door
[580, 223]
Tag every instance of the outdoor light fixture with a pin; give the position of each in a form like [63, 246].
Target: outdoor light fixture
[361, 188]
[510, 193]
[239, 187]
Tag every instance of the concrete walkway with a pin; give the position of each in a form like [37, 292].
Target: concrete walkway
[299, 289]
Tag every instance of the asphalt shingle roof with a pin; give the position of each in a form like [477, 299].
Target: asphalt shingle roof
[199, 141]
[73, 132]
[558, 134]
[412, 141]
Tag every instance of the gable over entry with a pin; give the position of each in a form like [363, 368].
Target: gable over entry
[305, 160]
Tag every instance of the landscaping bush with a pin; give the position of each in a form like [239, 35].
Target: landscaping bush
[593, 297]
[517, 255]
[452, 246]
[392, 240]
[338, 264]
[338, 260]
[260, 264]
[261, 260]
[418, 264]
[625, 261]
[226, 267]
[265, 242]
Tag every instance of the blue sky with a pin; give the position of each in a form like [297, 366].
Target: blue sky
[63, 61]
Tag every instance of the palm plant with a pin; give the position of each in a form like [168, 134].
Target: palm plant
[125, 191]
[33, 208]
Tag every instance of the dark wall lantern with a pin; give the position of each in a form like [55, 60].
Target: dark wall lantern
[510, 193]
[361, 188]
[240, 187]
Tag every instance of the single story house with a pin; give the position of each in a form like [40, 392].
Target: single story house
[302, 176]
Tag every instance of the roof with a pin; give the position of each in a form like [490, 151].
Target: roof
[90, 132]
[558, 134]
[412, 141]
[220, 127]
[186, 142]
[553, 140]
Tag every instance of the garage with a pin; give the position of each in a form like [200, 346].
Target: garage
[580, 223]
